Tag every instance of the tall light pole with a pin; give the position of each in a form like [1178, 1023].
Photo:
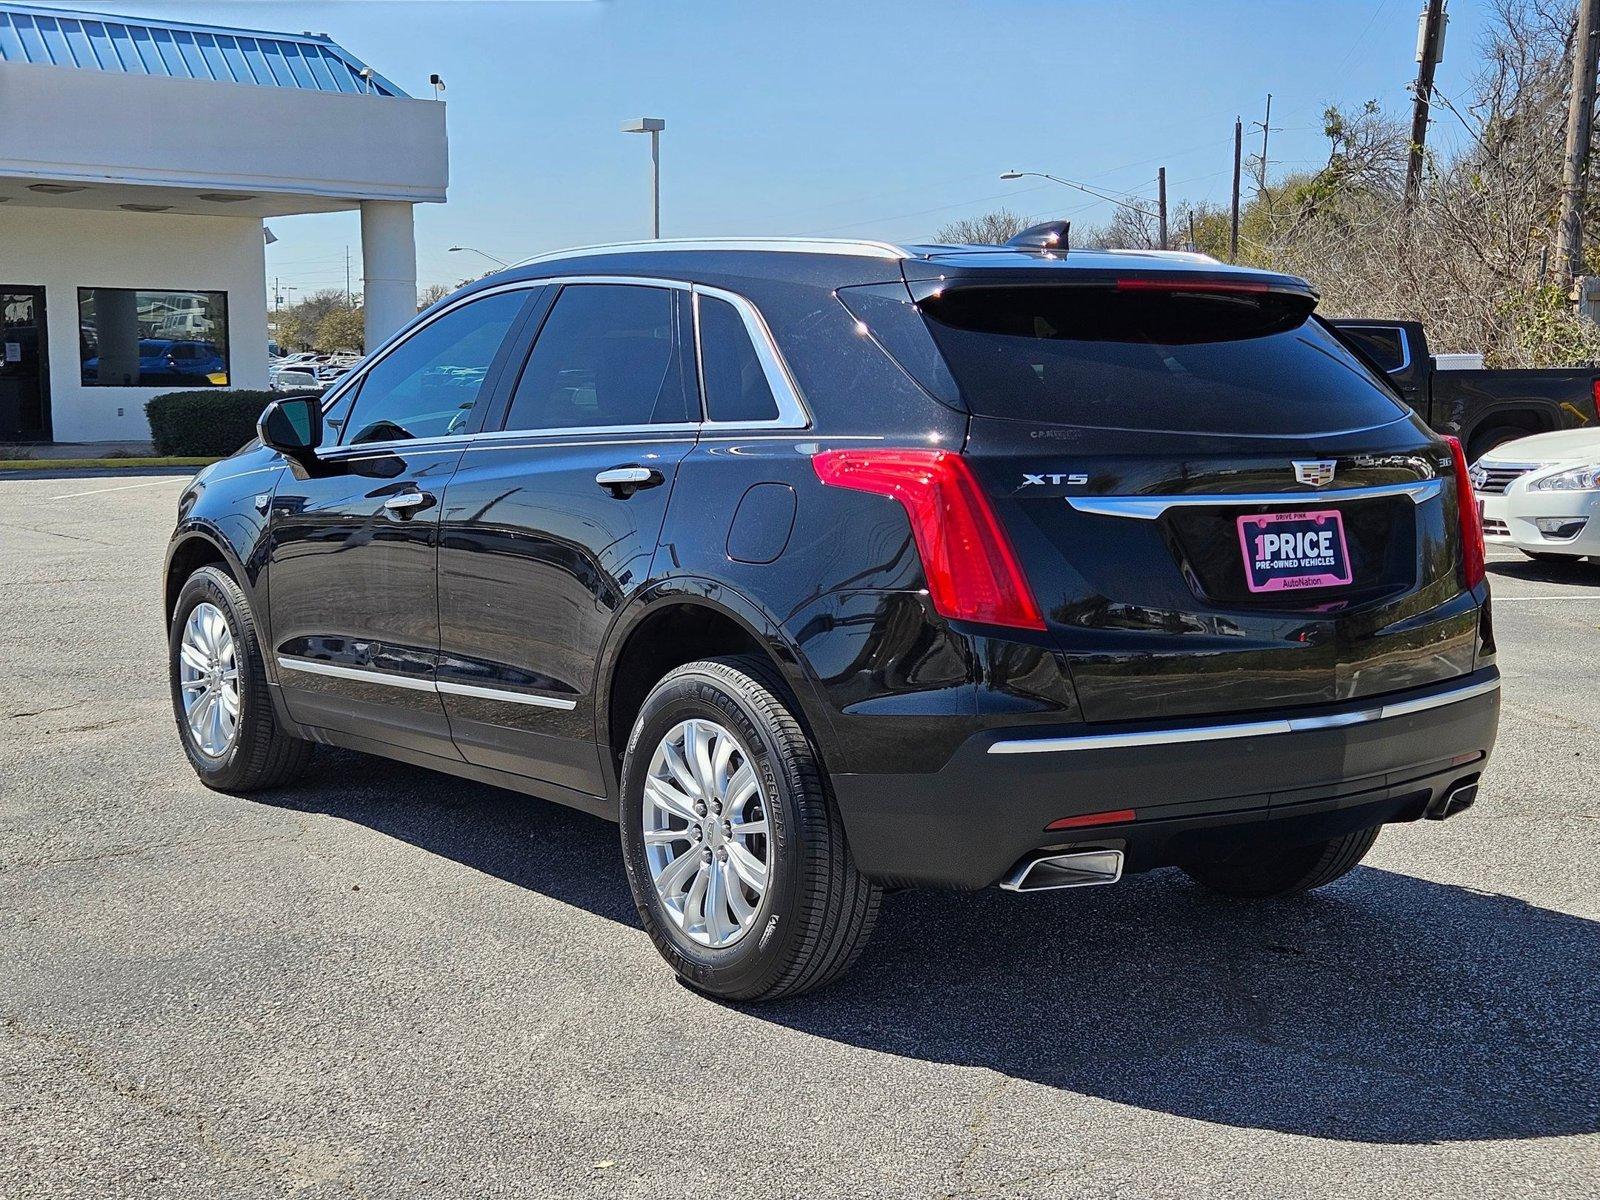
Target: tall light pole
[1082, 187]
[653, 126]
[474, 250]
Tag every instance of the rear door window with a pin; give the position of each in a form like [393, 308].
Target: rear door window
[607, 356]
[1153, 359]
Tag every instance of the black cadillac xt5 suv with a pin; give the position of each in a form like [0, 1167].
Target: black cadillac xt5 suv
[830, 567]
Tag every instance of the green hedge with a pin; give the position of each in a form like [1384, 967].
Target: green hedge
[205, 423]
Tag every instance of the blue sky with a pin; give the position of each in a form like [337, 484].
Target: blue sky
[862, 119]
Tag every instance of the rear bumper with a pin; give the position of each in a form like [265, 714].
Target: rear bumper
[1194, 789]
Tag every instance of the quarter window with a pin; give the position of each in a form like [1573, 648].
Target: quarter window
[428, 385]
[736, 385]
[608, 355]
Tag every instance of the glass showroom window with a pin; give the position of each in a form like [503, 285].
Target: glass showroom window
[155, 338]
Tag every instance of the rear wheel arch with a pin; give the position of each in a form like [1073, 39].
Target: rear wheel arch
[674, 627]
[1502, 425]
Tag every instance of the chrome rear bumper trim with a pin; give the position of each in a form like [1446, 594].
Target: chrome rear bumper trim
[1244, 729]
[1148, 508]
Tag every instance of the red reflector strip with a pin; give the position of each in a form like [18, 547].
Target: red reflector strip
[1115, 817]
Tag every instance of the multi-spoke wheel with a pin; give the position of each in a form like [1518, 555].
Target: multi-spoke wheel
[734, 849]
[705, 832]
[219, 690]
[208, 679]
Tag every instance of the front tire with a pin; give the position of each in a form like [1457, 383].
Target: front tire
[1267, 874]
[734, 849]
[226, 721]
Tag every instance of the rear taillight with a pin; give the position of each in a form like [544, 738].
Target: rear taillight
[973, 574]
[1472, 552]
[1594, 394]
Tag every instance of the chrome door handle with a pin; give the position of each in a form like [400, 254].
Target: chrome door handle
[623, 482]
[406, 503]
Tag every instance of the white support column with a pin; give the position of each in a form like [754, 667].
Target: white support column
[388, 268]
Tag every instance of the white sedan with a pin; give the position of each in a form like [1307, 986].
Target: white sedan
[1541, 494]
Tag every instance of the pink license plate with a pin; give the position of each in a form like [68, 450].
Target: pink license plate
[1290, 551]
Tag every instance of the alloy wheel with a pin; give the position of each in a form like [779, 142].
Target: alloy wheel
[208, 680]
[706, 833]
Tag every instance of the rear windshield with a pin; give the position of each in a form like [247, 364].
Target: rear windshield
[1153, 359]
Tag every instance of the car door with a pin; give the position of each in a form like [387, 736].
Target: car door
[551, 520]
[353, 543]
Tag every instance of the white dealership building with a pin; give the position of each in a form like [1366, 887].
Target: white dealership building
[141, 159]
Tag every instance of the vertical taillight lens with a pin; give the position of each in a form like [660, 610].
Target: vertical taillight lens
[1472, 552]
[973, 574]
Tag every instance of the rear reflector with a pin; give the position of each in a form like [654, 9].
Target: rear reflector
[1472, 551]
[973, 575]
[1118, 816]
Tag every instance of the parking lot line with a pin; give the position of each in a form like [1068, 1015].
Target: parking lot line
[124, 487]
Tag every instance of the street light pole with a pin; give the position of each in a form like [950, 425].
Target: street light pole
[1082, 187]
[653, 126]
[484, 253]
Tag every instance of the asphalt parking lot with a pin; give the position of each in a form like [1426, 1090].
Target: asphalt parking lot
[389, 983]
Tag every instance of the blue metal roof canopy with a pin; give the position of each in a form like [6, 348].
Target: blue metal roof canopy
[181, 50]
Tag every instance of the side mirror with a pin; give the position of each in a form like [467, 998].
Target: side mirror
[293, 427]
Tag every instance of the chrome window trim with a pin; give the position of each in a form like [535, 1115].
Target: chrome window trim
[852, 247]
[1405, 343]
[313, 666]
[792, 412]
[1245, 729]
[1148, 508]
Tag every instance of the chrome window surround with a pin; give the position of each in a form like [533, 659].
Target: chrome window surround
[1246, 729]
[1148, 508]
[1405, 344]
[792, 412]
[312, 666]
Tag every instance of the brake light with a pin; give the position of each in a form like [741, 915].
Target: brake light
[973, 575]
[1594, 394]
[1179, 284]
[1472, 551]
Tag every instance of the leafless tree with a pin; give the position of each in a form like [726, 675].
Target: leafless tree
[987, 229]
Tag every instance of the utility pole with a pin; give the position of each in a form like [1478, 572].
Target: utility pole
[1161, 192]
[1430, 49]
[1238, 148]
[1266, 127]
[1575, 166]
[347, 274]
[1193, 244]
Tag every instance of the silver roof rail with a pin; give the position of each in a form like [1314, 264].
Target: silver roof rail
[853, 248]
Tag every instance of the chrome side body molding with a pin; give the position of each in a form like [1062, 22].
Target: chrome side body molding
[312, 666]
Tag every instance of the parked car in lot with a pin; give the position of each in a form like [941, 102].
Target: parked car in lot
[830, 567]
[1481, 407]
[1542, 494]
[163, 361]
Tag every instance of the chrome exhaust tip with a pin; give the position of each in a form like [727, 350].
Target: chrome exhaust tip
[1080, 868]
[1456, 800]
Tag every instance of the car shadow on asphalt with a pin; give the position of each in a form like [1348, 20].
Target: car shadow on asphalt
[1382, 1009]
[1575, 571]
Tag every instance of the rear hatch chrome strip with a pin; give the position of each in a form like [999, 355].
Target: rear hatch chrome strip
[1148, 508]
[1246, 729]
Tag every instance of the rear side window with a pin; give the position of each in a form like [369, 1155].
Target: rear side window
[608, 355]
[428, 385]
[1153, 359]
[736, 385]
[1382, 346]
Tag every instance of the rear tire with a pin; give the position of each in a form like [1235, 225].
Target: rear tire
[1268, 874]
[256, 752]
[1487, 439]
[814, 911]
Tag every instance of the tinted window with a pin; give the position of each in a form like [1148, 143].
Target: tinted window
[1382, 346]
[428, 385]
[128, 338]
[736, 386]
[1187, 362]
[607, 355]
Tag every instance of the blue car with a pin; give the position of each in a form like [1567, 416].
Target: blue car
[162, 360]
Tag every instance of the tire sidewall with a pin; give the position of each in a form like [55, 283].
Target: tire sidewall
[757, 959]
[206, 586]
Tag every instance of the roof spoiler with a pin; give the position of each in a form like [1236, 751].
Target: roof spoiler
[1049, 235]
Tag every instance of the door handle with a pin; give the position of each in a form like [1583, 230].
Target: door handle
[405, 503]
[623, 482]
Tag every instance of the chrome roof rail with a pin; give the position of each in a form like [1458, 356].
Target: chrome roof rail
[851, 247]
